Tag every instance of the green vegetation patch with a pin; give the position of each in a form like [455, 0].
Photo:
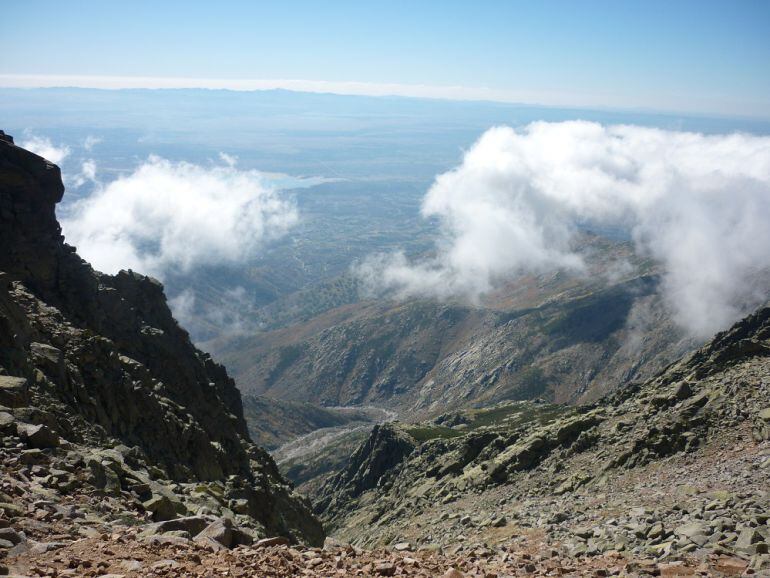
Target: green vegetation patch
[518, 414]
[432, 432]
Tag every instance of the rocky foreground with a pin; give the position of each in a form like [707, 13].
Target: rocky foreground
[124, 553]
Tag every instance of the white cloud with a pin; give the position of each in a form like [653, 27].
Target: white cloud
[90, 142]
[183, 306]
[87, 174]
[175, 216]
[229, 160]
[232, 315]
[45, 148]
[700, 205]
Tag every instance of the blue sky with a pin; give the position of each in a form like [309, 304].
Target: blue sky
[692, 56]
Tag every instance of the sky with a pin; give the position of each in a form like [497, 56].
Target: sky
[702, 57]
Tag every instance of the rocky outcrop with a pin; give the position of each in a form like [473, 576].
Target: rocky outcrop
[386, 448]
[749, 337]
[99, 362]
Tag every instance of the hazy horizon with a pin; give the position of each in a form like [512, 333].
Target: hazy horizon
[696, 56]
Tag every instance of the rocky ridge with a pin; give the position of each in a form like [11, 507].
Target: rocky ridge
[671, 470]
[108, 413]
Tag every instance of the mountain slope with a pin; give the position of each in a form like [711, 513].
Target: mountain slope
[562, 338]
[676, 466]
[95, 371]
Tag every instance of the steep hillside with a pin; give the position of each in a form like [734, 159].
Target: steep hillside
[673, 467]
[106, 404]
[560, 337]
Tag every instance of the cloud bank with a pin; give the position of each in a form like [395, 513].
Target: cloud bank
[174, 216]
[699, 205]
[45, 148]
[233, 314]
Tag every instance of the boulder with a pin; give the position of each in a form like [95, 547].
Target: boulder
[275, 541]
[747, 538]
[13, 391]
[695, 532]
[385, 569]
[33, 456]
[677, 568]
[50, 359]
[7, 423]
[224, 532]
[761, 430]
[11, 536]
[164, 540]
[38, 436]
[161, 507]
[193, 525]
[11, 510]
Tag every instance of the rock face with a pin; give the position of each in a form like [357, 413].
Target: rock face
[385, 449]
[98, 361]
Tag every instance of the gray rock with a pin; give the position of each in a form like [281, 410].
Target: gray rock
[33, 456]
[747, 538]
[13, 391]
[7, 423]
[656, 531]
[275, 541]
[11, 510]
[385, 569]
[193, 525]
[11, 535]
[161, 507]
[38, 436]
[164, 540]
[761, 430]
[224, 532]
[695, 532]
[583, 532]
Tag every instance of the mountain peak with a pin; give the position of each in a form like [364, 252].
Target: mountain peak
[98, 364]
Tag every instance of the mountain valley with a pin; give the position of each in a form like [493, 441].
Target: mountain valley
[554, 429]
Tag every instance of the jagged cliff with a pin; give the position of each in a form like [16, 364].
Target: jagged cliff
[98, 364]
